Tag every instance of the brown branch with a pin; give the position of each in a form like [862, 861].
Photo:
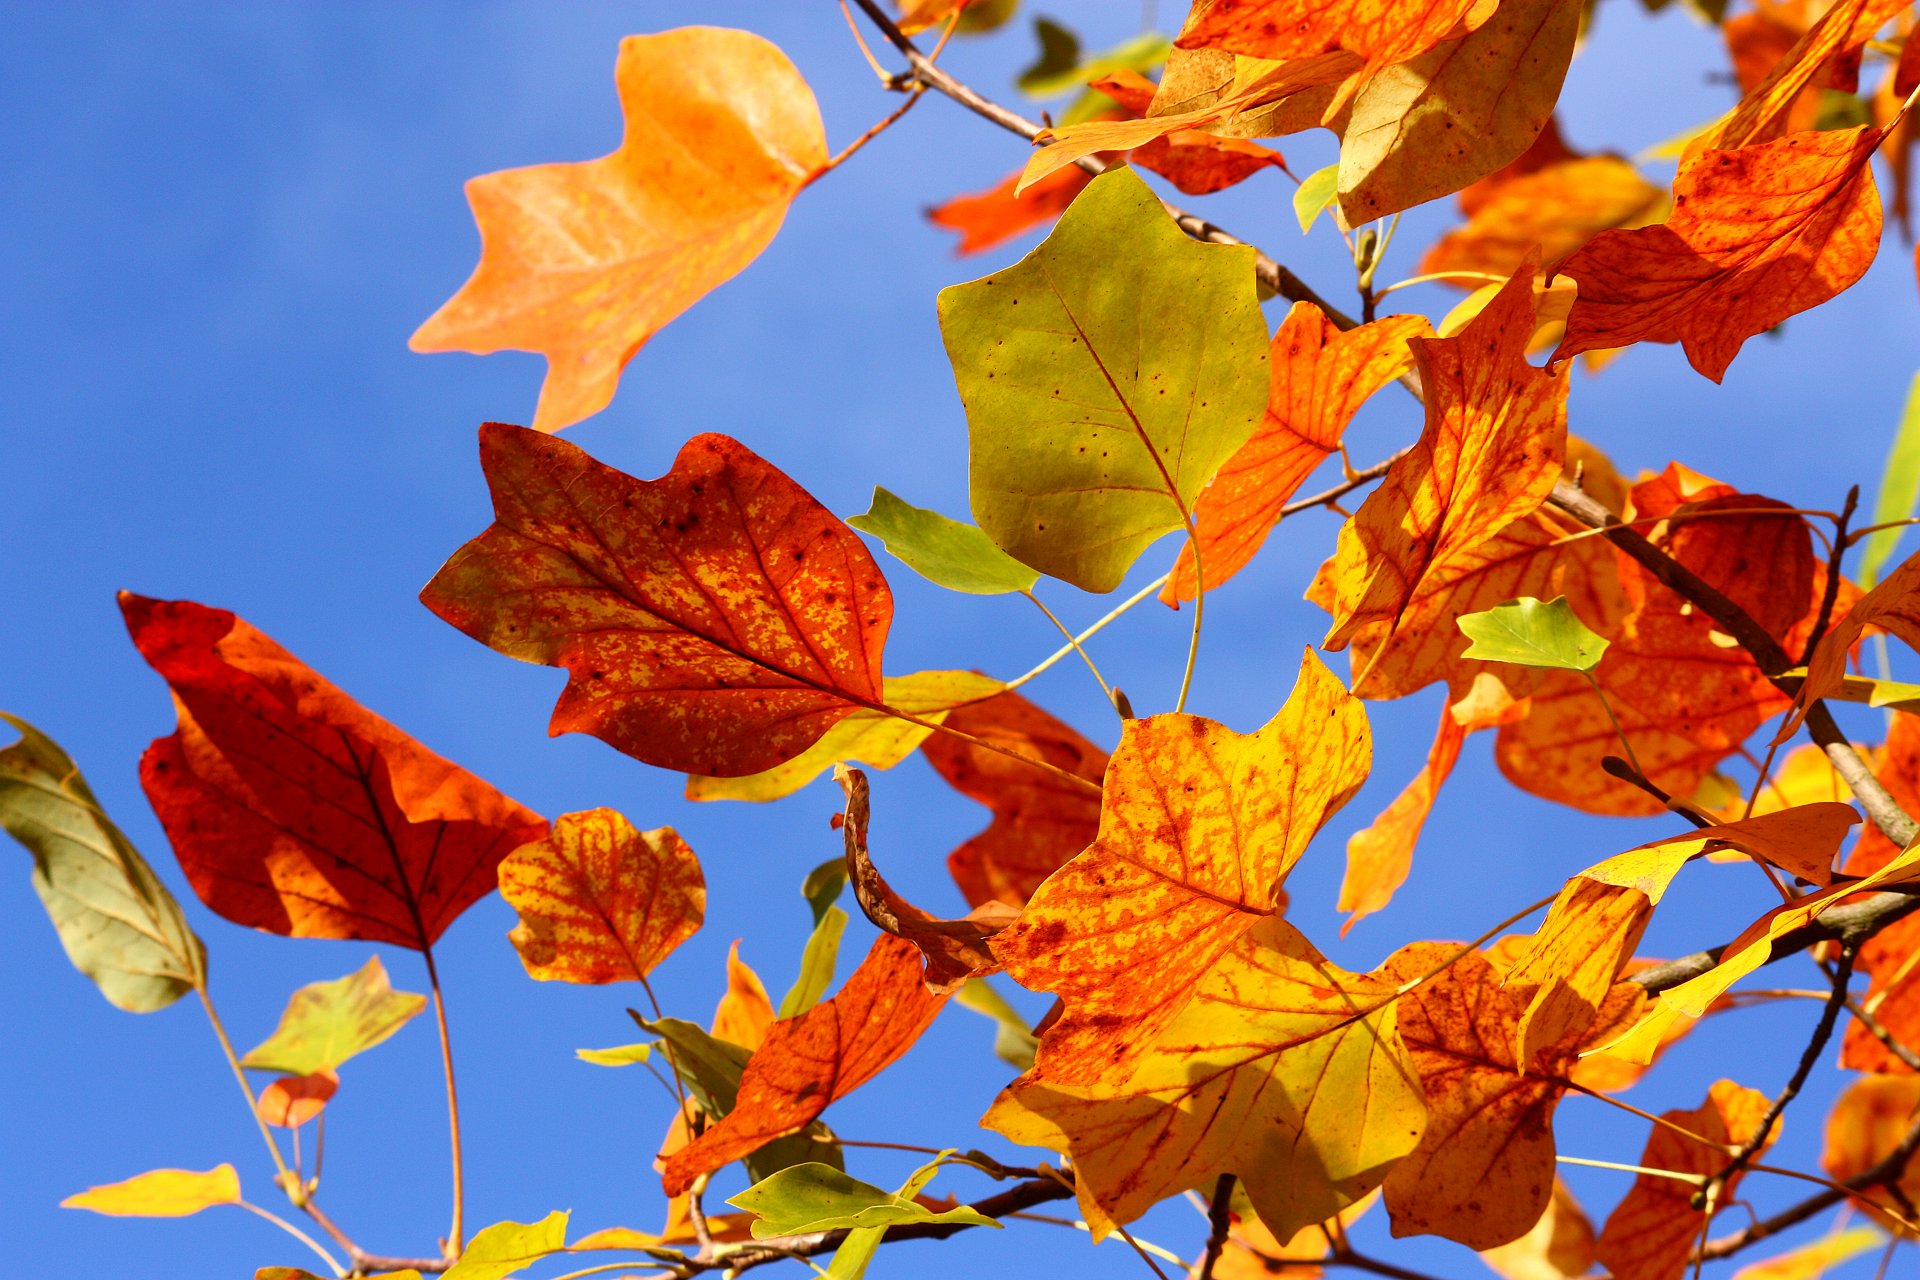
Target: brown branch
[1849, 923]
[1830, 595]
[1219, 1222]
[363, 1261]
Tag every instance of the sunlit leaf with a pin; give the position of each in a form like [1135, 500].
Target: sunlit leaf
[291, 1101]
[744, 1012]
[1899, 489]
[1533, 633]
[1812, 1261]
[821, 952]
[164, 1193]
[1867, 1124]
[946, 552]
[818, 1197]
[624, 1055]
[1315, 195]
[505, 1247]
[326, 1023]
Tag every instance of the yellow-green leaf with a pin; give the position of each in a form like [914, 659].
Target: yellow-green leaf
[818, 1197]
[163, 1193]
[620, 1056]
[1013, 1040]
[1314, 195]
[946, 552]
[327, 1023]
[1533, 633]
[505, 1247]
[1899, 491]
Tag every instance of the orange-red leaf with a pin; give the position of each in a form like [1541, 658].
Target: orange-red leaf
[1196, 162]
[1039, 821]
[717, 620]
[1891, 956]
[291, 1101]
[822, 1055]
[601, 902]
[1320, 376]
[1757, 235]
[1199, 827]
[1867, 1124]
[1765, 113]
[998, 214]
[294, 809]
[585, 262]
[1382, 31]
[1892, 606]
[1650, 1235]
[1549, 212]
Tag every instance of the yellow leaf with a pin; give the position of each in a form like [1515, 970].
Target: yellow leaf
[163, 1193]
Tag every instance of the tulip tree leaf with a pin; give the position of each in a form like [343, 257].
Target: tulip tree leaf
[944, 551]
[815, 1197]
[1899, 491]
[505, 1247]
[1533, 633]
[327, 1023]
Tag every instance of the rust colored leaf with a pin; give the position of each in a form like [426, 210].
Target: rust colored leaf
[717, 620]
[1559, 1247]
[1039, 822]
[1550, 212]
[1760, 42]
[1757, 235]
[1198, 829]
[954, 950]
[994, 216]
[1282, 1069]
[1489, 454]
[1892, 606]
[1320, 376]
[1766, 112]
[585, 262]
[291, 1101]
[601, 902]
[1382, 31]
[1867, 1123]
[1250, 1245]
[807, 1062]
[1196, 162]
[1650, 1235]
[1483, 1172]
[295, 810]
[745, 1012]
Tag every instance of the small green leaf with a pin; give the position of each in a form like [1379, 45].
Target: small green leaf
[823, 886]
[1899, 490]
[1013, 1040]
[118, 923]
[1059, 55]
[621, 1056]
[818, 959]
[943, 551]
[1532, 633]
[1315, 195]
[506, 1247]
[327, 1023]
[1061, 68]
[1841, 110]
[815, 1197]
[1891, 693]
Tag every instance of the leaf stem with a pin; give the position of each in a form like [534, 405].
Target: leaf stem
[846, 153]
[1095, 629]
[285, 1181]
[455, 1241]
[295, 1232]
[1073, 642]
[1613, 720]
[1199, 602]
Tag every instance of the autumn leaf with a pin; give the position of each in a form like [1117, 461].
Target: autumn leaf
[502, 1249]
[1452, 115]
[715, 621]
[1199, 827]
[1757, 235]
[327, 1023]
[1811, 1262]
[585, 262]
[946, 552]
[1039, 822]
[814, 1059]
[1320, 376]
[1250, 1245]
[1893, 606]
[1106, 377]
[1196, 162]
[1650, 1234]
[117, 922]
[1488, 456]
[1383, 31]
[1281, 1069]
[1868, 1123]
[819, 1197]
[1763, 114]
[1549, 212]
[989, 218]
[164, 1193]
[745, 1012]
[955, 950]
[601, 902]
[295, 810]
[291, 1101]
[1558, 1247]
[1893, 995]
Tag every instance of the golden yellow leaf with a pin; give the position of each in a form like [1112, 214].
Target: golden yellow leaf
[163, 1193]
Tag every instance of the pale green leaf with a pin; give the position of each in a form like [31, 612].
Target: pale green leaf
[505, 1247]
[1533, 633]
[620, 1056]
[944, 551]
[118, 923]
[1315, 194]
[1106, 377]
[1013, 1041]
[327, 1023]
[1059, 55]
[816, 1197]
[1899, 491]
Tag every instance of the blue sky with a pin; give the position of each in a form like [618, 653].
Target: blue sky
[224, 221]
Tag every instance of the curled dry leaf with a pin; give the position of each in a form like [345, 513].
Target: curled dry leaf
[717, 620]
[1281, 1069]
[294, 809]
[1039, 821]
[585, 262]
[1320, 376]
[601, 902]
[811, 1060]
[1198, 829]
[954, 950]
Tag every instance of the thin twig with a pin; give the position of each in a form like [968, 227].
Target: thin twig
[455, 1233]
[1219, 1222]
[305, 1239]
[1832, 592]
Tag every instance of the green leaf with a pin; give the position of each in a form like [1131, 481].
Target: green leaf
[1013, 1041]
[620, 1056]
[327, 1023]
[1314, 195]
[818, 959]
[1531, 633]
[984, 16]
[1899, 491]
[505, 1247]
[815, 1197]
[1059, 56]
[823, 886]
[118, 923]
[943, 551]
[1106, 377]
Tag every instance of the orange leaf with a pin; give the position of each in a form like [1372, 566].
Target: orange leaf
[1867, 1124]
[295, 810]
[1892, 606]
[1483, 1173]
[1250, 1245]
[1199, 827]
[1039, 822]
[1559, 1247]
[1650, 1235]
[1320, 376]
[1282, 1069]
[585, 262]
[1381, 31]
[1763, 115]
[1196, 162]
[717, 620]
[1489, 454]
[1757, 235]
[1891, 956]
[291, 1101]
[745, 1012]
[954, 950]
[996, 215]
[1549, 212]
[816, 1058]
[601, 902]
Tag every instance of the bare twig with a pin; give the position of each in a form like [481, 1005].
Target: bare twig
[1831, 594]
[1219, 1222]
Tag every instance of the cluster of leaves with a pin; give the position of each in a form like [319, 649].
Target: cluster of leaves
[1624, 641]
